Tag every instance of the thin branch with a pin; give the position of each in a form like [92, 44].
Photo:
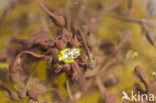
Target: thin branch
[104, 66]
[130, 3]
[101, 87]
[23, 91]
[91, 64]
[127, 19]
[5, 12]
[58, 20]
[9, 6]
[56, 93]
[69, 91]
[95, 19]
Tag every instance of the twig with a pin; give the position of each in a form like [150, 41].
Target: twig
[128, 19]
[108, 98]
[144, 23]
[90, 59]
[102, 13]
[10, 5]
[104, 66]
[35, 93]
[78, 76]
[57, 94]
[101, 87]
[69, 91]
[149, 35]
[129, 8]
[58, 20]
[4, 15]
[130, 4]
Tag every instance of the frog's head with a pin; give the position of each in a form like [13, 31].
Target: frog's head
[69, 54]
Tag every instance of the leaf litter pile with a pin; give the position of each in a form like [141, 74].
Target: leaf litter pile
[80, 66]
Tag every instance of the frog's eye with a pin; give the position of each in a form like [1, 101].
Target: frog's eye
[75, 52]
[68, 55]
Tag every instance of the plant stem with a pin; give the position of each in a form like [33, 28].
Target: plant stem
[23, 91]
[69, 91]
[91, 64]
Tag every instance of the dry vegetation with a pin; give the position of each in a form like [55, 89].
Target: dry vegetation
[110, 48]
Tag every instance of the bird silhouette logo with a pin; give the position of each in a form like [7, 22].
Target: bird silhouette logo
[125, 96]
